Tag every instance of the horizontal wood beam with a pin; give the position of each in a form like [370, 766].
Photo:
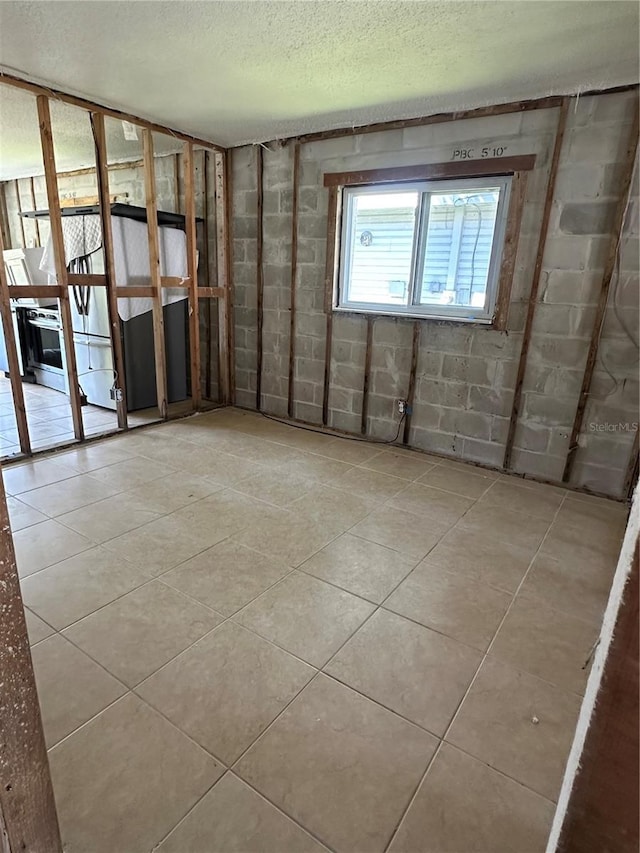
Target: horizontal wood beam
[211, 293]
[135, 292]
[34, 291]
[91, 106]
[488, 166]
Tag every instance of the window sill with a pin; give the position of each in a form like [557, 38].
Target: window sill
[410, 316]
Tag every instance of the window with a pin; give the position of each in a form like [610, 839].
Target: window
[424, 249]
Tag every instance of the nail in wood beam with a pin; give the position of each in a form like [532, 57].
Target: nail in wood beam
[159, 349]
[294, 274]
[223, 265]
[605, 287]
[192, 267]
[411, 392]
[57, 237]
[535, 283]
[367, 373]
[102, 176]
[28, 820]
[12, 359]
[259, 272]
[329, 276]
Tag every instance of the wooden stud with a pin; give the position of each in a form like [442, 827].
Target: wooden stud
[510, 249]
[154, 268]
[329, 281]
[367, 374]
[28, 820]
[211, 292]
[16, 185]
[223, 266]
[35, 207]
[92, 107]
[609, 270]
[4, 218]
[13, 360]
[433, 171]
[535, 283]
[294, 275]
[57, 237]
[259, 273]
[176, 181]
[192, 267]
[411, 392]
[115, 329]
[205, 253]
[142, 292]
[35, 291]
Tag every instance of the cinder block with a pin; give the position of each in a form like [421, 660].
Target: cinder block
[395, 360]
[311, 225]
[537, 464]
[311, 277]
[307, 412]
[533, 436]
[340, 398]
[386, 140]
[486, 452]
[557, 351]
[314, 325]
[244, 398]
[308, 370]
[587, 217]
[599, 478]
[478, 371]
[465, 423]
[346, 421]
[274, 405]
[276, 227]
[566, 253]
[467, 130]
[443, 443]
[429, 362]
[324, 149]
[489, 400]
[548, 410]
[387, 384]
[581, 182]
[565, 287]
[425, 416]
[437, 392]
[488, 342]
[346, 376]
[598, 144]
[244, 227]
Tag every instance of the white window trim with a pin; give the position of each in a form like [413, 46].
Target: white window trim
[413, 309]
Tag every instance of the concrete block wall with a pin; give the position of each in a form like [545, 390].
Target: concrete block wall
[466, 374]
[579, 236]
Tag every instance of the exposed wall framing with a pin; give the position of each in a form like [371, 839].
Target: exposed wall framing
[259, 272]
[535, 283]
[294, 273]
[96, 114]
[625, 189]
[529, 300]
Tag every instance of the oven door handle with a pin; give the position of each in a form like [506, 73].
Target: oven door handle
[53, 325]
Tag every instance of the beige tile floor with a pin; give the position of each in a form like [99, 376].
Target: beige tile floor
[49, 418]
[249, 637]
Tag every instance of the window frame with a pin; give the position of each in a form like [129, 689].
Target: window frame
[516, 167]
[413, 308]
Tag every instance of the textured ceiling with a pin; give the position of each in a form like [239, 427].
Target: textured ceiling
[247, 71]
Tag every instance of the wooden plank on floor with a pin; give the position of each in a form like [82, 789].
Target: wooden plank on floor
[159, 349]
[28, 819]
[192, 267]
[535, 283]
[57, 237]
[609, 270]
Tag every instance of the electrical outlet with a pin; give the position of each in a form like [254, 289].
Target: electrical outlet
[402, 407]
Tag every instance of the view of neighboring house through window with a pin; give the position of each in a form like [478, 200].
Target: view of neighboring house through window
[428, 249]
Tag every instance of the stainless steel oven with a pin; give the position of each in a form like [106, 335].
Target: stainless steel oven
[45, 347]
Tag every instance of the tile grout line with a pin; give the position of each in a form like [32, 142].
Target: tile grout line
[474, 678]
